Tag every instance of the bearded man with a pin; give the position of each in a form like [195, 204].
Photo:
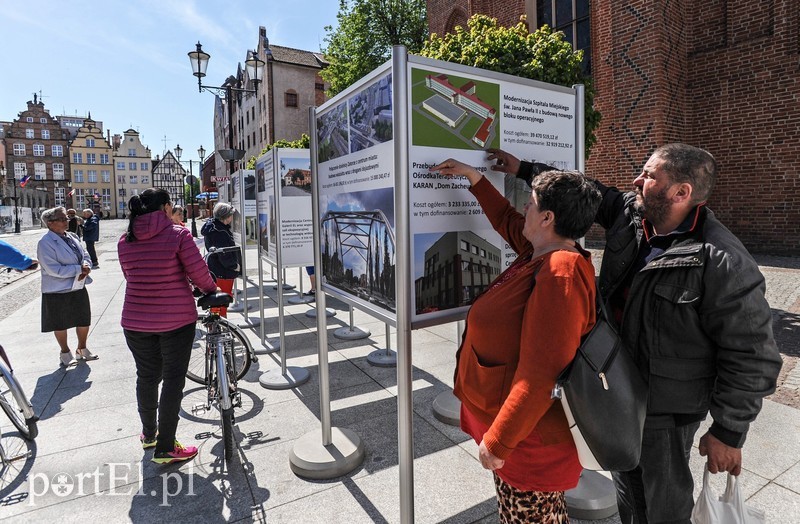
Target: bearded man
[689, 302]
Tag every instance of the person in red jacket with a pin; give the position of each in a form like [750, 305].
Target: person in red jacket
[159, 315]
[522, 331]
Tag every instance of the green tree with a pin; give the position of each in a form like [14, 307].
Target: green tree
[304, 142]
[543, 55]
[365, 34]
[188, 191]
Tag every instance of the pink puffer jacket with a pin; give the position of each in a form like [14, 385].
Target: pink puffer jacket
[158, 297]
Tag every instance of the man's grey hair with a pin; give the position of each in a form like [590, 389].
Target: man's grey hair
[49, 214]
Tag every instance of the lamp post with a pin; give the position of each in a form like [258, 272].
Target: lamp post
[13, 180]
[189, 179]
[255, 70]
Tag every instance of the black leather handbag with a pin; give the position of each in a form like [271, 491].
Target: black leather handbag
[604, 397]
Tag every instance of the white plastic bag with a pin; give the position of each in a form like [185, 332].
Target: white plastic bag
[727, 509]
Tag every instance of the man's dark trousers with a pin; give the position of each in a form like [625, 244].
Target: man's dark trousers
[664, 469]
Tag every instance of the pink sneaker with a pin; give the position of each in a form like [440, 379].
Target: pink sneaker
[178, 454]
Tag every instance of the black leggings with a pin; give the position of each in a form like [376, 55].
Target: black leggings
[161, 356]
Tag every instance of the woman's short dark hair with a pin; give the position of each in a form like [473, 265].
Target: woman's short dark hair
[150, 200]
[571, 197]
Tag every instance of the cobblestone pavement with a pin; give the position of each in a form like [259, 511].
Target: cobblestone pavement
[782, 276]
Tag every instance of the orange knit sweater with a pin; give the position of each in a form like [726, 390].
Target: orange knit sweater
[521, 334]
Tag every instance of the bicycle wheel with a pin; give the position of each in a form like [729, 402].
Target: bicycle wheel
[196, 372]
[227, 431]
[14, 403]
[240, 351]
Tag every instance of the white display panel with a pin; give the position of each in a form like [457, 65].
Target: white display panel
[459, 112]
[355, 155]
[265, 205]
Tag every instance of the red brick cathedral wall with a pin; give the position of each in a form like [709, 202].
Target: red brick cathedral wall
[723, 75]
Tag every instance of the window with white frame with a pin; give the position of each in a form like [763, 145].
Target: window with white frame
[77, 175]
[134, 179]
[131, 152]
[78, 197]
[121, 193]
[91, 176]
[105, 175]
[145, 180]
[77, 158]
[46, 134]
[120, 166]
[60, 196]
[57, 150]
[91, 158]
[19, 169]
[42, 120]
[120, 179]
[19, 150]
[143, 166]
[103, 158]
[58, 171]
[39, 171]
[29, 133]
[132, 166]
[29, 119]
[106, 196]
[38, 149]
[90, 142]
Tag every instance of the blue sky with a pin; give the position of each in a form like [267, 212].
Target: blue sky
[127, 64]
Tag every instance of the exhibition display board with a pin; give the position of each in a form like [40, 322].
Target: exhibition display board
[283, 204]
[243, 197]
[411, 247]
[450, 111]
[355, 178]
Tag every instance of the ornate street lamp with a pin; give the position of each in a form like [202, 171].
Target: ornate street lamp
[255, 70]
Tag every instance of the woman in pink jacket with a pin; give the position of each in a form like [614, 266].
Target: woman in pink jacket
[158, 259]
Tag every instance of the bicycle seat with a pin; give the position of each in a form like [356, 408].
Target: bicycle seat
[214, 300]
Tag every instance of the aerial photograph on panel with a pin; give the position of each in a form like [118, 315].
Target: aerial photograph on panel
[453, 112]
[332, 136]
[371, 115]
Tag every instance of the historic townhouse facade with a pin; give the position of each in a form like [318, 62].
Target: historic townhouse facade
[169, 174]
[91, 168]
[34, 144]
[133, 168]
[291, 85]
[720, 75]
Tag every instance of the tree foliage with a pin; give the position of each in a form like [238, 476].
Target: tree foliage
[365, 34]
[543, 55]
[304, 142]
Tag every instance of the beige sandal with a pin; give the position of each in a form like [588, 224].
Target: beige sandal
[85, 354]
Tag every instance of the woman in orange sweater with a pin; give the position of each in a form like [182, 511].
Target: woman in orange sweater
[521, 333]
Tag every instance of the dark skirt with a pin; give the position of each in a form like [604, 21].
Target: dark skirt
[62, 311]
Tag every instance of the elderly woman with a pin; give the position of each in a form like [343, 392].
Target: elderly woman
[521, 333]
[159, 315]
[65, 273]
[217, 233]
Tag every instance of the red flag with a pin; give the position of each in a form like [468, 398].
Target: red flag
[72, 191]
[24, 180]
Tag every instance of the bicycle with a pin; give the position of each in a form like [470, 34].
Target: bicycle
[219, 362]
[16, 406]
